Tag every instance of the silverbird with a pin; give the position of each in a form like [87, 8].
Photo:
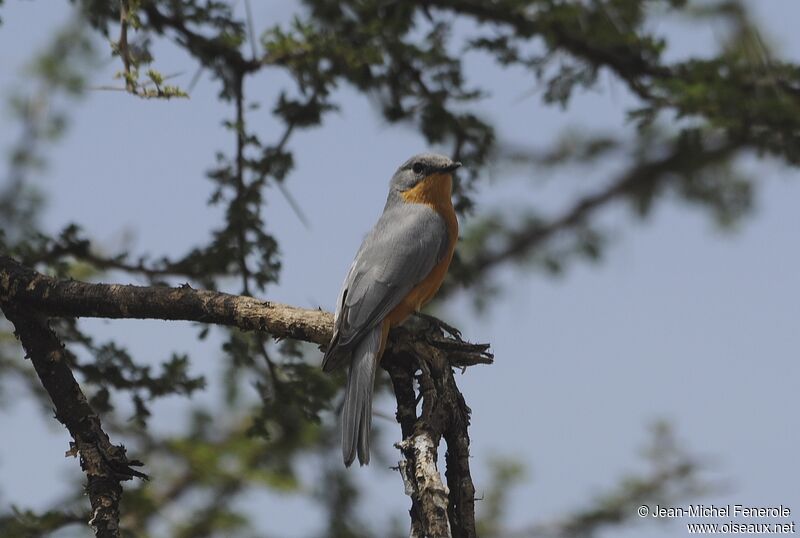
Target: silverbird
[398, 268]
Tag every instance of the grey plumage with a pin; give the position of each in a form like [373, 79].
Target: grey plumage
[398, 253]
[357, 410]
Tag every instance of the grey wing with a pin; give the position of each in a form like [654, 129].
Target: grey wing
[400, 251]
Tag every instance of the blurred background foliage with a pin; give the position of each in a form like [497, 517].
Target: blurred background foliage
[692, 123]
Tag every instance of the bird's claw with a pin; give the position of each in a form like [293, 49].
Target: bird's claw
[439, 324]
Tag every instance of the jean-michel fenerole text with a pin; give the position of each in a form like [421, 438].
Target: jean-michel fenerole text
[722, 510]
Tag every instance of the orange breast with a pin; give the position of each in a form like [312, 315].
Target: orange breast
[434, 191]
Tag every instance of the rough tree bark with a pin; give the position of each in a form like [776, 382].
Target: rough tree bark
[105, 464]
[437, 510]
[28, 299]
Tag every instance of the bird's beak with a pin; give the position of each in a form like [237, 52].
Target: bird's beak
[452, 166]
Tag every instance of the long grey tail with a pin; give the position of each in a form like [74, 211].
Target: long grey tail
[357, 411]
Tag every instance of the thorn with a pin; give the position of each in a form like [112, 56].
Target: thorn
[195, 79]
[294, 205]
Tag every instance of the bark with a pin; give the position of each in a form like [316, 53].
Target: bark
[104, 464]
[437, 510]
[25, 287]
[70, 298]
[28, 298]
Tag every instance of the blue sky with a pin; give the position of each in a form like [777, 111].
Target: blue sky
[679, 321]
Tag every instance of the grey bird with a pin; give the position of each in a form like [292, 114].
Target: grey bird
[400, 266]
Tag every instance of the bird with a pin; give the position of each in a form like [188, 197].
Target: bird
[399, 267]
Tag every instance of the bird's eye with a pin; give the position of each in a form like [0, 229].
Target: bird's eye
[417, 168]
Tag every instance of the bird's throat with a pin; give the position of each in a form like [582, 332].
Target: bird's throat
[435, 190]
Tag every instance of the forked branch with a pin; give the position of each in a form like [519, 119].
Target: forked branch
[29, 298]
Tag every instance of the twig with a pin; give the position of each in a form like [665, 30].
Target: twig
[251, 29]
[122, 45]
[240, 202]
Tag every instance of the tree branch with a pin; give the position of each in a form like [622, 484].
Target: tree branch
[152, 270]
[105, 465]
[642, 177]
[122, 46]
[207, 50]
[630, 64]
[239, 204]
[71, 298]
[436, 510]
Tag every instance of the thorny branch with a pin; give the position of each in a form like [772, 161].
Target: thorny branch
[155, 270]
[123, 46]
[105, 464]
[241, 193]
[643, 177]
[28, 298]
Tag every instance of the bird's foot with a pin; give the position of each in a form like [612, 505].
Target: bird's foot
[439, 324]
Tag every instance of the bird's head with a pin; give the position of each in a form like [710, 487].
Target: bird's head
[421, 167]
